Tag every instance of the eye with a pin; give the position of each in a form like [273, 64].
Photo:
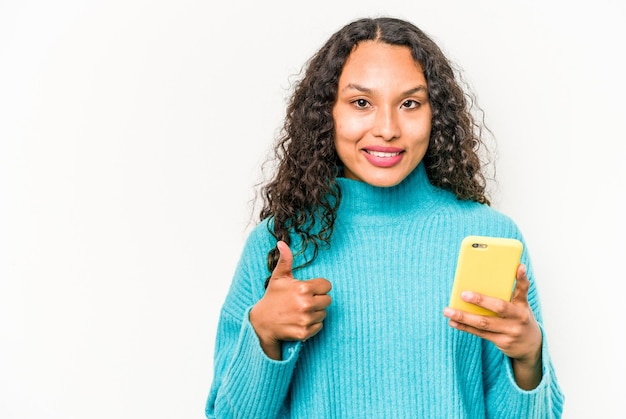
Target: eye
[361, 103]
[411, 104]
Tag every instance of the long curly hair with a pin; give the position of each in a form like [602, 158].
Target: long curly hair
[303, 196]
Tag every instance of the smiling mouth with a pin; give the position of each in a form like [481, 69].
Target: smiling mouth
[382, 154]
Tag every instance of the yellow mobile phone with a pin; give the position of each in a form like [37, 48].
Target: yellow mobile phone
[486, 265]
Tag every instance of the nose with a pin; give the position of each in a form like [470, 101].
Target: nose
[386, 124]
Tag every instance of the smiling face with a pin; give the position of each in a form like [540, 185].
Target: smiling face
[382, 114]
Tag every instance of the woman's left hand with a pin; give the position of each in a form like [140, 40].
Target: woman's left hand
[514, 329]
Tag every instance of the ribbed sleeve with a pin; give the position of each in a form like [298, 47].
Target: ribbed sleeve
[507, 401]
[252, 385]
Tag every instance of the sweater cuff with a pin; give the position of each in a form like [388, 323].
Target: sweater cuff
[544, 401]
[254, 379]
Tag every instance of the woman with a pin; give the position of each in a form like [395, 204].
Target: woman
[337, 307]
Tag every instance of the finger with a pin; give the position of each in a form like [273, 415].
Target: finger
[318, 317]
[314, 329]
[522, 284]
[319, 286]
[285, 261]
[321, 302]
[473, 323]
[303, 333]
[493, 304]
[476, 331]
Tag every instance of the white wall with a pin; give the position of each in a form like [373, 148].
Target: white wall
[131, 133]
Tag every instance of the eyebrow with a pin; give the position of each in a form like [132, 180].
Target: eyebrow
[417, 89]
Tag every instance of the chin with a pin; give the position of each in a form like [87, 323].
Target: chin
[384, 182]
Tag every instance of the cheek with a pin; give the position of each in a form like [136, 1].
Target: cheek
[348, 129]
[421, 127]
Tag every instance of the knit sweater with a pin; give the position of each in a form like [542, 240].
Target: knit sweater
[386, 350]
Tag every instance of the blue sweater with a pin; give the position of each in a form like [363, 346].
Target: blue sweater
[386, 350]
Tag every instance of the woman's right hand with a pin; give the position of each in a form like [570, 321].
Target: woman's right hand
[291, 309]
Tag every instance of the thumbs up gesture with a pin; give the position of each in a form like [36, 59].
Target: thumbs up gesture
[291, 309]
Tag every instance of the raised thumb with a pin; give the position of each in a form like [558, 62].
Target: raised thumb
[285, 261]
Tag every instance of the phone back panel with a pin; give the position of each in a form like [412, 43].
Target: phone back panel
[486, 265]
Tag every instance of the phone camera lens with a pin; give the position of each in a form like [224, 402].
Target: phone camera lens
[474, 245]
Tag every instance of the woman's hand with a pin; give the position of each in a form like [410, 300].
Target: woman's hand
[291, 309]
[514, 330]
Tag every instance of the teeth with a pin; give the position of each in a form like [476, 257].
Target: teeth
[382, 154]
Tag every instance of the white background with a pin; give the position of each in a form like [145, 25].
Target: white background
[131, 134]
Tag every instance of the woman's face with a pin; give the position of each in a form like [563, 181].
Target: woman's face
[382, 114]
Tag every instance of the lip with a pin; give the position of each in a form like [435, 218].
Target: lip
[384, 156]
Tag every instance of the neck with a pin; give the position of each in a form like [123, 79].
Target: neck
[414, 193]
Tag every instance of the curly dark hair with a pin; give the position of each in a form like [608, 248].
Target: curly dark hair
[303, 196]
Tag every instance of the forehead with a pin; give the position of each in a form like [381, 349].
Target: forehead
[373, 60]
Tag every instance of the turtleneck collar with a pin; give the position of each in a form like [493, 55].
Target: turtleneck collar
[414, 194]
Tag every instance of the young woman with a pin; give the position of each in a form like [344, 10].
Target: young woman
[337, 308]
